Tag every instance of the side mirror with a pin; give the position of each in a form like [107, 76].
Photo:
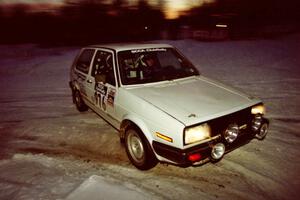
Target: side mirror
[100, 78]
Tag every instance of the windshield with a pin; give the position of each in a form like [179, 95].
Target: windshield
[153, 65]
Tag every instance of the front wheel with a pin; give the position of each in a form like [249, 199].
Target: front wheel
[138, 150]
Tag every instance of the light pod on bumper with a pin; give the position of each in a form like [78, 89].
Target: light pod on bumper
[257, 122]
[231, 133]
[261, 134]
[218, 151]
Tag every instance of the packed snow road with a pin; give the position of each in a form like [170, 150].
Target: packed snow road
[47, 148]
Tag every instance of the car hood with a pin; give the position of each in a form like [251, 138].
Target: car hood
[194, 100]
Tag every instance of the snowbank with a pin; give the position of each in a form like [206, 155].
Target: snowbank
[99, 188]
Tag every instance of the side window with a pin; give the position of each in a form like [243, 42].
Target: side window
[84, 60]
[103, 70]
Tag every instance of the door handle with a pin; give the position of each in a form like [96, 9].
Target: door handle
[89, 81]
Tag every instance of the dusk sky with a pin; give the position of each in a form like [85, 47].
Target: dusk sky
[172, 7]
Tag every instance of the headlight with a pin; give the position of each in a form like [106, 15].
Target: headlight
[258, 109]
[196, 134]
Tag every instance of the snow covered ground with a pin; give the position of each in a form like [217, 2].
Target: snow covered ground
[48, 149]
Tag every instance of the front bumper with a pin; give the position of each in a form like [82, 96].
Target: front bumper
[182, 156]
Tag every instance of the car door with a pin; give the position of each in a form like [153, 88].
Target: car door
[104, 81]
[82, 71]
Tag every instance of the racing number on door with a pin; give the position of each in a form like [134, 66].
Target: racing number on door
[100, 93]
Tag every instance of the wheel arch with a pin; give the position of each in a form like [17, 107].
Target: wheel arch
[129, 121]
[74, 85]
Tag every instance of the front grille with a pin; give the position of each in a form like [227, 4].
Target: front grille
[240, 118]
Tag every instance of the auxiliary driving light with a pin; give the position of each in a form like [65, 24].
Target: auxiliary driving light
[231, 133]
[218, 151]
[257, 122]
[263, 131]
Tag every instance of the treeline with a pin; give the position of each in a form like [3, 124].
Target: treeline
[97, 21]
[82, 22]
[247, 18]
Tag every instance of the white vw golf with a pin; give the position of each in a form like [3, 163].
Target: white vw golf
[164, 109]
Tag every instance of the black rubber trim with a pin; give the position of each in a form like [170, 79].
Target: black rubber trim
[180, 156]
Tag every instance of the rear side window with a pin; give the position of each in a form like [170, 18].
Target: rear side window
[84, 60]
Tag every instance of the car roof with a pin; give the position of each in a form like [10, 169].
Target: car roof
[131, 46]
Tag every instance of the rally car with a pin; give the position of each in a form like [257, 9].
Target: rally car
[164, 109]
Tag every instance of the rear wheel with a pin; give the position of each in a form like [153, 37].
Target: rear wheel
[80, 105]
[138, 150]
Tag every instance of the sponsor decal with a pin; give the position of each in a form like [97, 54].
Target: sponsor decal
[101, 88]
[147, 50]
[111, 97]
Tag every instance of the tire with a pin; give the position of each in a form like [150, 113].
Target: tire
[138, 150]
[80, 105]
